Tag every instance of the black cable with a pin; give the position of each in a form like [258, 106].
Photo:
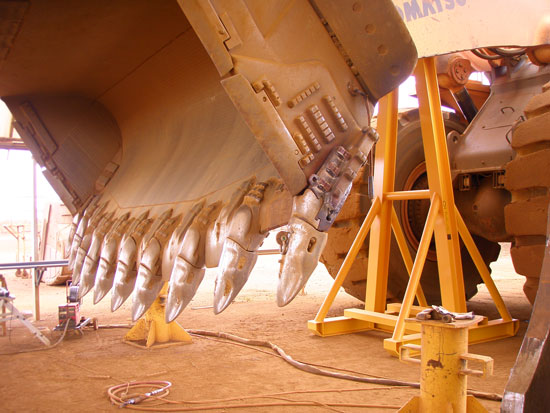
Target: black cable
[485, 56]
[508, 52]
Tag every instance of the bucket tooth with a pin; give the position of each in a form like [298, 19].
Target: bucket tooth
[237, 264]
[171, 250]
[126, 268]
[239, 250]
[85, 226]
[314, 212]
[72, 232]
[189, 266]
[304, 246]
[149, 280]
[79, 258]
[77, 239]
[105, 272]
[125, 274]
[184, 283]
[89, 267]
[89, 227]
[217, 231]
[108, 256]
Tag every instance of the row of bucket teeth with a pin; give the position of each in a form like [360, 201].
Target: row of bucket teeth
[140, 254]
[137, 255]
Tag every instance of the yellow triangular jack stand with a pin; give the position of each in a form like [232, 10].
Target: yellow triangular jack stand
[153, 331]
[443, 223]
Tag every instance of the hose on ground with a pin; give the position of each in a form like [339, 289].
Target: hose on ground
[314, 370]
[119, 394]
[32, 350]
[153, 400]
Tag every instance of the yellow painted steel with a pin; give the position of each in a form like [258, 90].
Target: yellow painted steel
[380, 234]
[444, 368]
[418, 266]
[348, 261]
[408, 195]
[443, 222]
[406, 254]
[482, 268]
[439, 181]
[152, 328]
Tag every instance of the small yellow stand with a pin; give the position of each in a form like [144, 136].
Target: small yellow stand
[443, 222]
[153, 329]
[444, 363]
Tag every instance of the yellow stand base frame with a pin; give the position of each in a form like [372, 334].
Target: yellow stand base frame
[152, 329]
[472, 406]
[443, 222]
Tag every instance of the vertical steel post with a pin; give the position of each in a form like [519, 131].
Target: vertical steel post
[439, 181]
[384, 180]
[35, 282]
[444, 368]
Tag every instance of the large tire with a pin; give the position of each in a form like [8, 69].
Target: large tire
[528, 180]
[410, 158]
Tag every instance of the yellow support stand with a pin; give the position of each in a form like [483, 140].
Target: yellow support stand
[443, 222]
[445, 370]
[152, 329]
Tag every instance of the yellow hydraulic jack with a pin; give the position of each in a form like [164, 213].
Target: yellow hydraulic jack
[443, 222]
[152, 328]
[444, 361]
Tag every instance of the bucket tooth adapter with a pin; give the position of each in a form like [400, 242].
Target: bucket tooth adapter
[149, 279]
[75, 239]
[189, 265]
[174, 245]
[313, 213]
[72, 233]
[98, 219]
[126, 268]
[89, 268]
[107, 258]
[217, 232]
[239, 254]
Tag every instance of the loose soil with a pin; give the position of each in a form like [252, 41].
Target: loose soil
[75, 375]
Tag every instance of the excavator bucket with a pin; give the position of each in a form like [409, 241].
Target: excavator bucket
[257, 111]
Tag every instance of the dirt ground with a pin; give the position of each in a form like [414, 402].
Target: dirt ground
[74, 376]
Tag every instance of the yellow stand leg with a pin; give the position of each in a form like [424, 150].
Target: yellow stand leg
[152, 328]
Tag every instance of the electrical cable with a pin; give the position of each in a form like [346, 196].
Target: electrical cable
[269, 353]
[303, 366]
[119, 396]
[314, 370]
[116, 396]
[485, 56]
[508, 51]
[41, 348]
[499, 52]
